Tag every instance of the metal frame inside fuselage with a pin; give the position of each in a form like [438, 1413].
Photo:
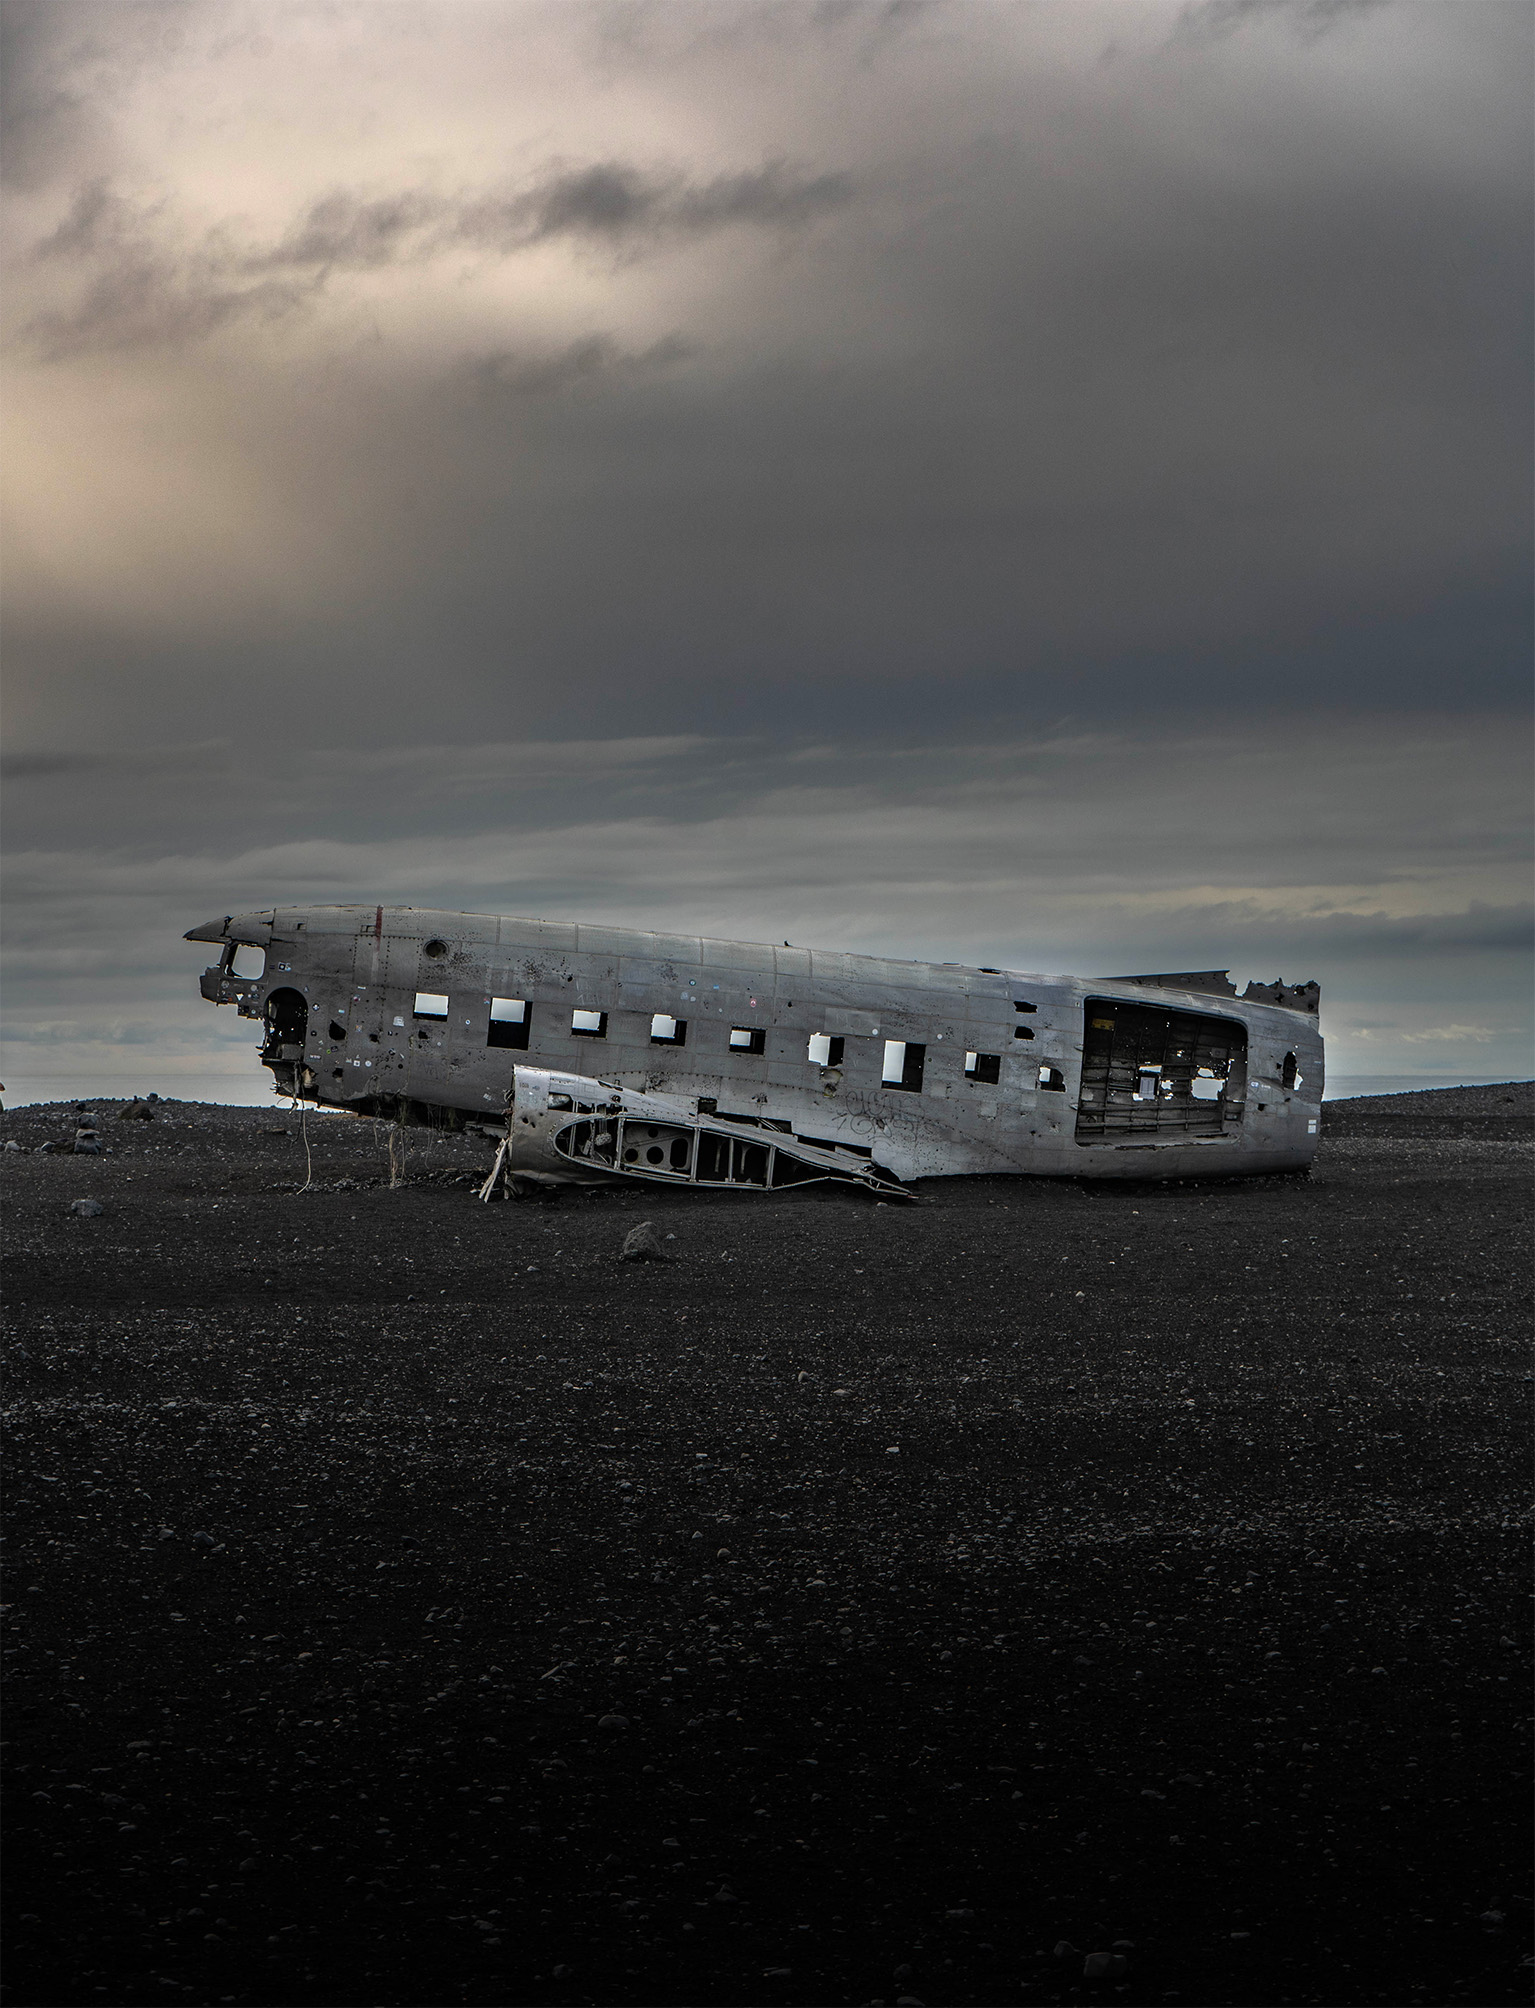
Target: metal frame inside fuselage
[340, 986]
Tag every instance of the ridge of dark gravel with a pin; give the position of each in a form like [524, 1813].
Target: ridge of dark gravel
[1047, 1564]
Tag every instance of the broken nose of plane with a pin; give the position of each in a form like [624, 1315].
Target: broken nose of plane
[254, 928]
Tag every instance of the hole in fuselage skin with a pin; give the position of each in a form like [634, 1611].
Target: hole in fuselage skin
[337, 1032]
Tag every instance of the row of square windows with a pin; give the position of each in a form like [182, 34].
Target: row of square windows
[511, 1020]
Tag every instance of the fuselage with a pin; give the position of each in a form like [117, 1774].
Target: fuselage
[929, 1069]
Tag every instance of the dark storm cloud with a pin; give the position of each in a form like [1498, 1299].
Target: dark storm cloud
[614, 203]
[592, 363]
[610, 203]
[1208, 20]
[141, 291]
[146, 288]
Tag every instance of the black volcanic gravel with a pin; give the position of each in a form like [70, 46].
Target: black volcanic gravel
[1042, 1567]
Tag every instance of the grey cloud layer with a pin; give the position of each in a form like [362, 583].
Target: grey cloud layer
[1090, 388]
[998, 481]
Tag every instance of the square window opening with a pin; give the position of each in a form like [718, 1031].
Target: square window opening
[904, 1061]
[824, 1050]
[589, 1024]
[748, 1039]
[983, 1067]
[668, 1031]
[510, 1023]
[429, 1004]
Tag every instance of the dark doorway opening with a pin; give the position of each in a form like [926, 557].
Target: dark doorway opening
[287, 1021]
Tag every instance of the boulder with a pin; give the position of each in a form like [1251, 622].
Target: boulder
[642, 1244]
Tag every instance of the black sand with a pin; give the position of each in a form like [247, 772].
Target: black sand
[1045, 1563]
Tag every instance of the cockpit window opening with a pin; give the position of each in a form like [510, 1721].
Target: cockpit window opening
[247, 961]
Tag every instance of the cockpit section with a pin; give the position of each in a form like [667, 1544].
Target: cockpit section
[234, 978]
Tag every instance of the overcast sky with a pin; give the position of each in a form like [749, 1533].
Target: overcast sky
[1039, 484]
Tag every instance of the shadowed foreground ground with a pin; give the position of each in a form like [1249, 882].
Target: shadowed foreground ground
[1041, 1564]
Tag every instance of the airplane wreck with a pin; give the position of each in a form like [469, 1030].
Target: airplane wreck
[599, 1053]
